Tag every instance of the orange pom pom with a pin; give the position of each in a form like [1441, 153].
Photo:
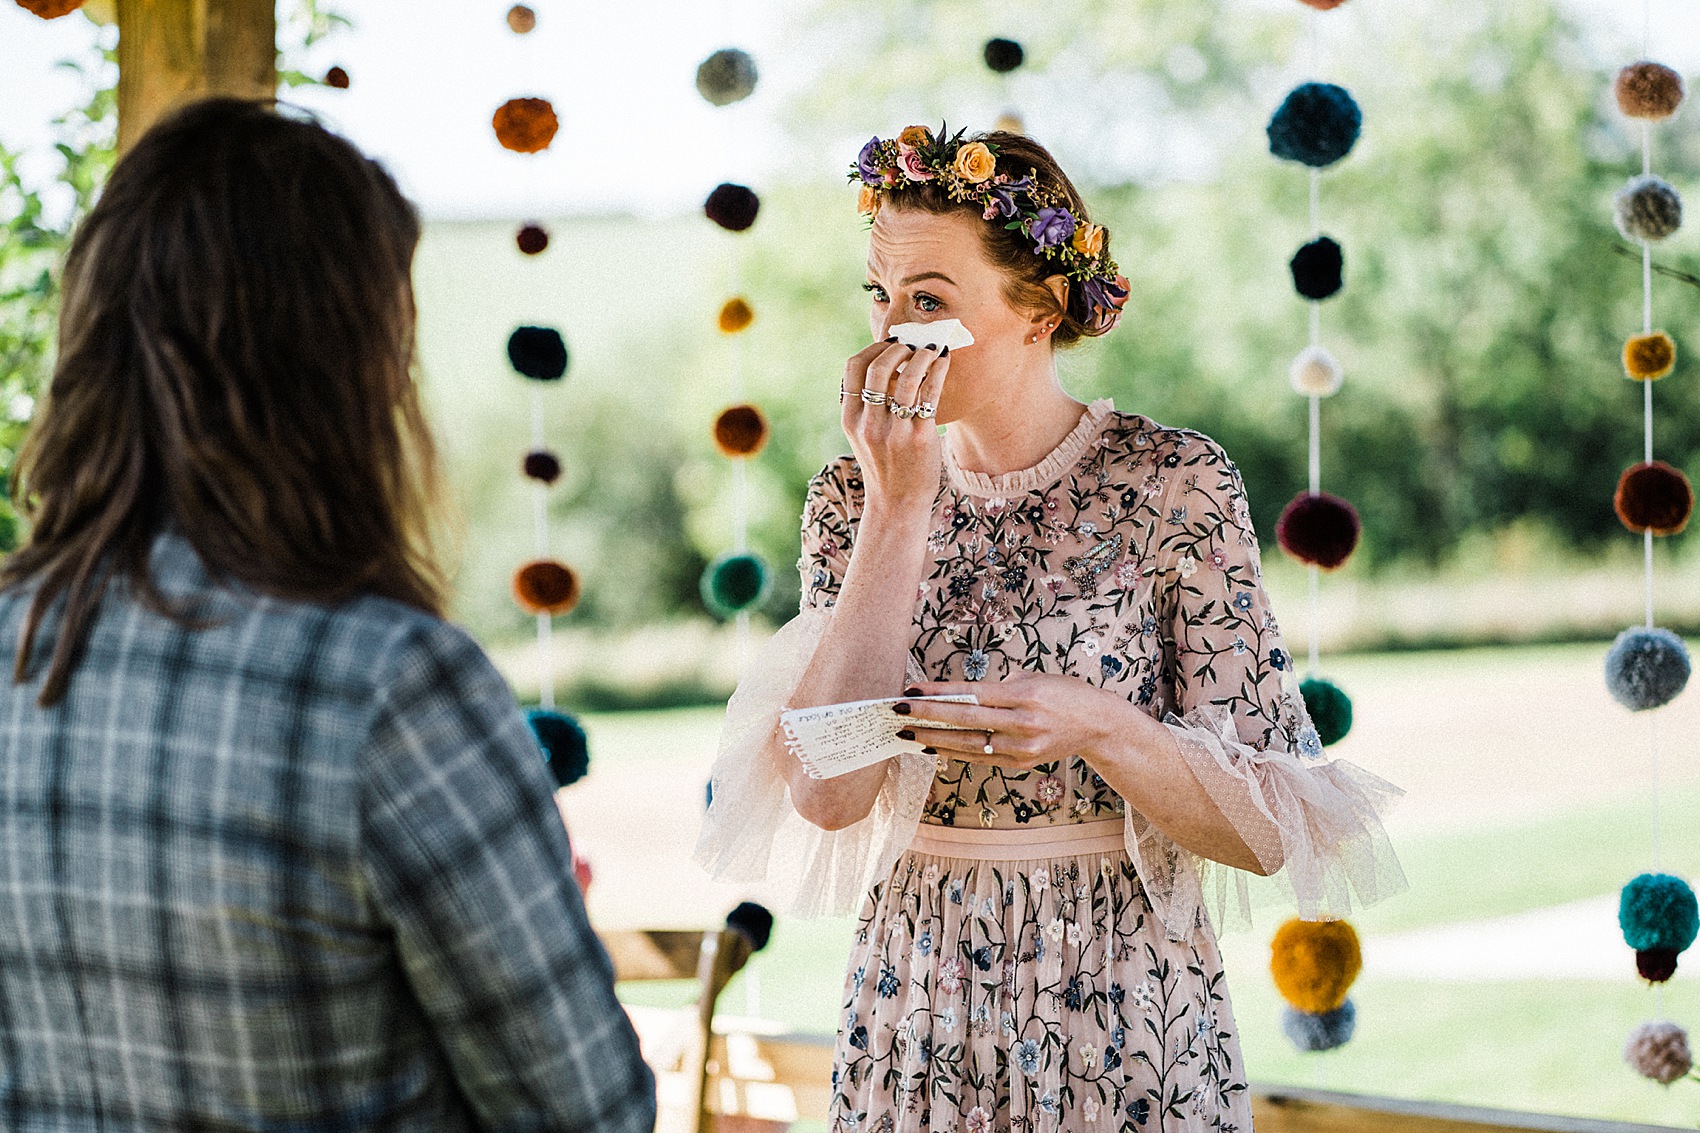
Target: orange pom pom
[1314, 963]
[1653, 497]
[521, 19]
[525, 125]
[735, 316]
[740, 431]
[1649, 357]
[1648, 90]
[50, 9]
[546, 587]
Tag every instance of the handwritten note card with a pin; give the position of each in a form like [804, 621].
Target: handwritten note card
[836, 739]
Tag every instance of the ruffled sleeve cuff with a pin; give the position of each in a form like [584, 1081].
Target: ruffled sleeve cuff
[1314, 826]
[752, 833]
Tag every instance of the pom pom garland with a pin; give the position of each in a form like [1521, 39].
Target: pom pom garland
[752, 922]
[733, 583]
[727, 76]
[1647, 208]
[1315, 373]
[1322, 5]
[1317, 268]
[50, 9]
[1329, 707]
[1656, 965]
[1658, 910]
[545, 586]
[740, 431]
[538, 353]
[532, 239]
[1010, 123]
[735, 315]
[732, 207]
[1318, 529]
[1317, 124]
[521, 20]
[1648, 90]
[1316, 1033]
[337, 78]
[1649, 357]
[1653, 497]
[1646, 668]
[525, 125]
[1314, 963]
[1004, 55]
[543, 465]
[1659, 1051]
[564, 745]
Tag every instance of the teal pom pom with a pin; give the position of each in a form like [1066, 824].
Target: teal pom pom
[734, 583]
[1330, 709]
[1320, 1032]
[1646, 668]
[1658, 910]
[1317, 125]
[565, 747]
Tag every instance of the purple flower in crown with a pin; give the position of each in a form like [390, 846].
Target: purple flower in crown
[1051, 227]
[867, 163]
[1104, 297]
[1000, 196]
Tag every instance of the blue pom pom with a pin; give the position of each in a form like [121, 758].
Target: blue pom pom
[1317, 124]
[1320, 1032]
[1646, 668]
[1657, 910]
[564, 745]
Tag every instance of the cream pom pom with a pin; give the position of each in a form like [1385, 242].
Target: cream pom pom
[1659, 1051]
[1315, 373]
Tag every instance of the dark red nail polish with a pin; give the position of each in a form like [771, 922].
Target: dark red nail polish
[906, 734]
[911, 692]
[943, 353]
[929, 751]
[900, 709]
[893, 338]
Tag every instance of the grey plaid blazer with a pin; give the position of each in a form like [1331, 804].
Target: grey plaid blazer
[297, 871]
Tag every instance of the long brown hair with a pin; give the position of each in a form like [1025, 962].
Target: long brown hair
[1010, 251]
[235, 346]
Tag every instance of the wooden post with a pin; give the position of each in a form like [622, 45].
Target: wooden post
[174, 51]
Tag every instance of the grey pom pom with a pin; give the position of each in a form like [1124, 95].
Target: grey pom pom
[727, 76]
[1647, 209]
[1646, 668]
[1659, 1051]
[1320, 1032]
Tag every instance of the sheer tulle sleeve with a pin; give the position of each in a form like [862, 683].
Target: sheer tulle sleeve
[751, 833]
[1314, 823]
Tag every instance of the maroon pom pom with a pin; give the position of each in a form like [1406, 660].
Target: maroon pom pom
[732, 206]
[543, 465]
[1656, 965]
[531, 239]
[1653, 497]
[336, 77]
[1318, 529]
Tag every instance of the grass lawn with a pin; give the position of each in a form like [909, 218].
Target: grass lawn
[1526, 788]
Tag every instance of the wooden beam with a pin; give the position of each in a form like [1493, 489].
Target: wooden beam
[174, 51]
[1290, 1109]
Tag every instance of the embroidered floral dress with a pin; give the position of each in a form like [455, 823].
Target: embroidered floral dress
[1069, 991]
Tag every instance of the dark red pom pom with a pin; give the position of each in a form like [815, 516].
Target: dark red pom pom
[336, 77]
[1656, 965]
[1653, 497]
[542, 465]
[1318, 529]
[532, 239]
[732, 206]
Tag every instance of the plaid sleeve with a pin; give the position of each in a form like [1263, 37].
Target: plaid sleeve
[468, 862]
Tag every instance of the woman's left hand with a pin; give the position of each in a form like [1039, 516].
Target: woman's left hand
[1033, 718]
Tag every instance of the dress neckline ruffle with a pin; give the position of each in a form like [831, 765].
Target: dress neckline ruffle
[1043, 474]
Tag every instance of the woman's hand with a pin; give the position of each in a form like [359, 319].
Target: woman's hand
[900, 458]
[1032, 718]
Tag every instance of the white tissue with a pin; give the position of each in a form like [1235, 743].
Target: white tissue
[945, 332]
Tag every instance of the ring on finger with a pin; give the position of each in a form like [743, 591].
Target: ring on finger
[926, 410]
[899, 410]
[873, 397]
[988, 748]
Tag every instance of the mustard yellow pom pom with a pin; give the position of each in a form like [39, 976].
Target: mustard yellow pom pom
[1649, 357]
[735, 316]
[1314, 963]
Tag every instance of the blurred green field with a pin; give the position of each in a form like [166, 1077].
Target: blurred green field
[1526, 789]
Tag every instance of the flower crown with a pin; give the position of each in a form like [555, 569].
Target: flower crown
[967, 171]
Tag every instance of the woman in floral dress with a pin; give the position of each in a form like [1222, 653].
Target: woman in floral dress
[1033, 949]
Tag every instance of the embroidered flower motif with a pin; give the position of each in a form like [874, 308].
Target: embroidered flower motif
[1087, 528]
[1177, 515]
[974, 665]
[994, 506]
[1041, 878]
[982, 956]
[953, 892]
[1048, 1102]
[1027, 1056]
[887, 985]
[1278, 658]
[1090, 645]
[1188, 566]
[1089, 1109]
[1242, 600]
[1217, 560]
[1239, 646]
[924, 943]
[947, 1020]
[979, 1121]
[1054, 930]
[1112, 666]
[1089, 1059]
[1074, 935]
[987, 817]
[950, 976]
[931, 874]
[1127, 574]
[1140, 1110]
[1007, 1023]
[1054, 583]
[1049, 790]
[1144, 995]
[988, 910]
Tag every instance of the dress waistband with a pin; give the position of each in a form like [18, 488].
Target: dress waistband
[1025, 843]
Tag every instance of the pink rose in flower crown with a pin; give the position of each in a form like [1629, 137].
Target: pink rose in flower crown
[910, 162]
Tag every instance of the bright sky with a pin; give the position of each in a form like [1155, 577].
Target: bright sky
[427, 74]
